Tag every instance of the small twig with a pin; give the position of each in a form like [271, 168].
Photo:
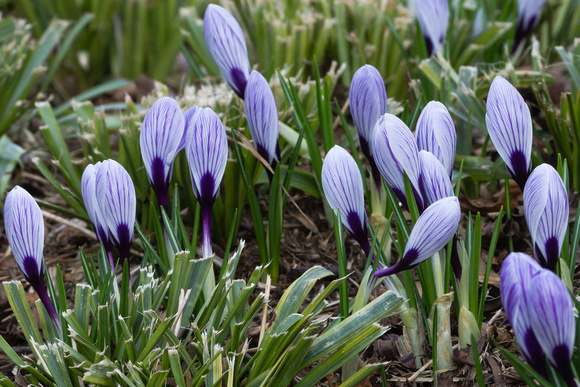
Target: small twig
[265, 309]
[67, 222]
[337, 119]
[427, 365]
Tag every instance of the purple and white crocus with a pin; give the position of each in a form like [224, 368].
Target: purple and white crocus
[546, 208]
[207, 156]
[162, 137]
[516, 273]
[227, 45]
[25, 232]
[433, 17]
[396, 154]
[368, 102]
[529, 13]
[509, 124]
[434, 182]
[343, 187]
[432, 231]
[109, 196]
[435, 133]
[262, 117]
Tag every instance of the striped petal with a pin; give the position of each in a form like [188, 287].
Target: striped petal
[161, 136]
[516, 273]
[207, 155]
[343, 187]
[190, 116]
[546, 209]
[368, 102]
[435, 182]
[25, 232]
[89, 193]
[433, 230]
[116, 197]
[262, 116]
[433, 17]
[529, 13]
[509, 124]
[395, 152]
[435, 133]
[551, 314]
[227, 45]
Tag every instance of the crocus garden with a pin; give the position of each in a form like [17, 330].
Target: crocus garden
[298, 192]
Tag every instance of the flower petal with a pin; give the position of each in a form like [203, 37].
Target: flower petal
[89, 193]
[227, 45]
[435, 182]
[433, 16]
[509, 124]
[529, 13]
[368, 102]
[435, 133]
[546, 208]
[25, 232]
[207, 155]
[262, 116]
[161, 136]
[395, 152]
[190, 116]
[343, 187]
[433, 230]
[551, 315]
[116, 197]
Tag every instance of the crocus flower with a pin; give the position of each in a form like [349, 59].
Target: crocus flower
[435, 133]
[368, 102]
[516, 273]
[207, 156]
[343, 187]
[190, 115]
[529, 12]
[509, 124]
[89, 193]
[161, 137]
[433, 17]
[227, 45]
[262, 117]
[395, 152]
[546, 209]
[115, 194]
[433, 230]
[435, 183]
[25, 232]
[551, 314]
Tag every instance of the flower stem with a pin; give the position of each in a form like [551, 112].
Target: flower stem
[49, 306]
[205, 230]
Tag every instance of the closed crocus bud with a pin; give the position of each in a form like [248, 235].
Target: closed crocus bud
[227, 45]
[516, 273]
[551, 314]
[89, 193]
[117, 201]
[435, 182]
[529, 13]
[433, 17]
[25, 232]
[509, 124]
[395, 152]
[262, 117]
[207, 156]
[368, 102]
[433, 230]
[343, 187]
[435, 133]
[546, 209]
[190, 116]
[161, 137]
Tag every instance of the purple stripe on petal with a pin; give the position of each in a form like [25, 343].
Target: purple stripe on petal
[436, 133]
[395, 152]
[433, 230]
[546, 208]
[207, 154]
[262, 116]
[89, 193]
[509, 125]
[227, 45]
[433, 17]
[190, 116]
[343, 187]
